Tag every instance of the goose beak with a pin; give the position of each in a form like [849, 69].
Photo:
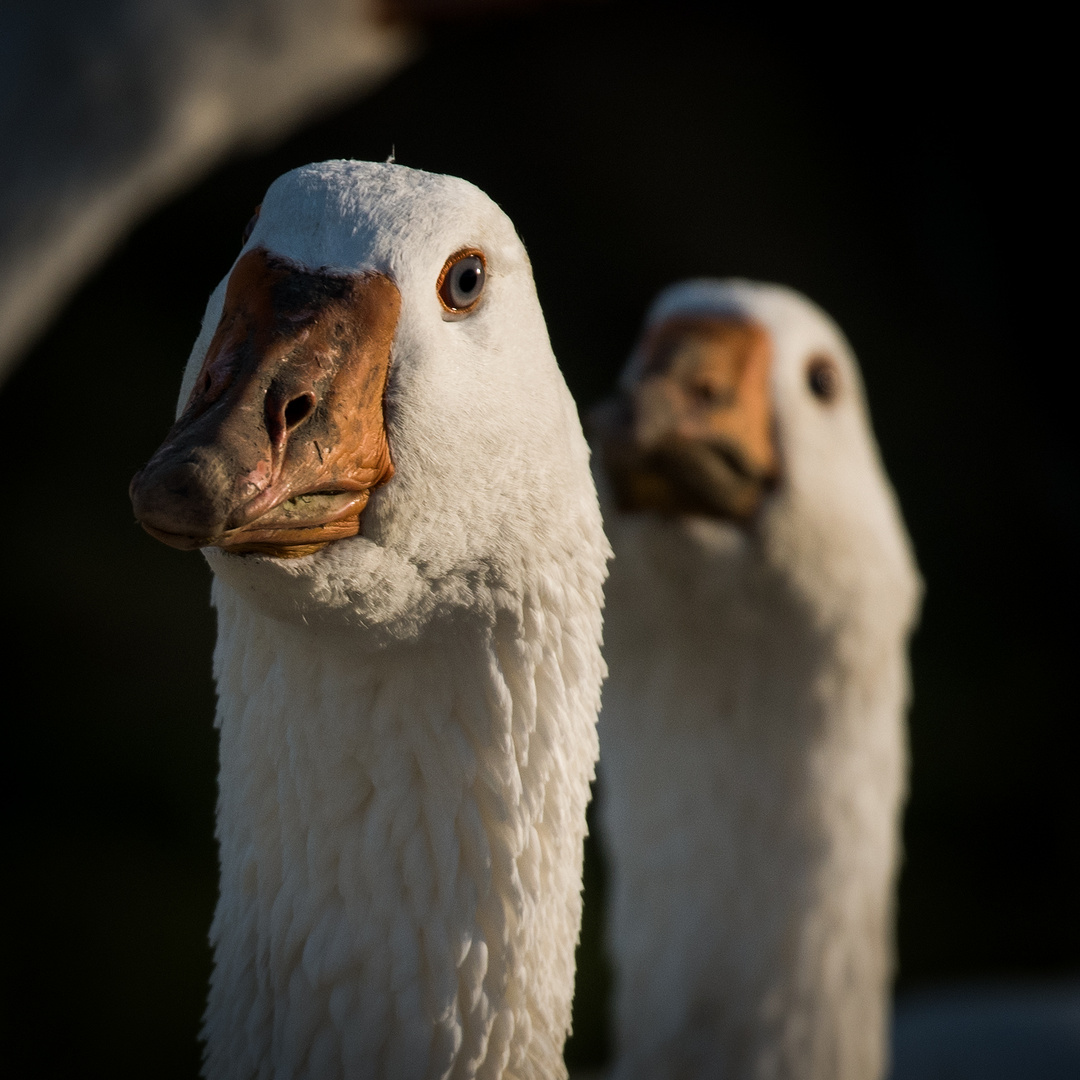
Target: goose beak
[694, 435]
[283, 437]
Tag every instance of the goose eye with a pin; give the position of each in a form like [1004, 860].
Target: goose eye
[823, 378]
[462, 281]
[249, 228]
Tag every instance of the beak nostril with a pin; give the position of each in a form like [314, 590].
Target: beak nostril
[298, 410]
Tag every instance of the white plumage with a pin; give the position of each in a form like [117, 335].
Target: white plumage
[408, 716]
[753, 745]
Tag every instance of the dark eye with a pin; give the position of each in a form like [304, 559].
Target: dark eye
[462, 281]
[823, 378]
[249, 228]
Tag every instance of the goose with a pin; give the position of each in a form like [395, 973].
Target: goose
[753, 748]
[378, 455]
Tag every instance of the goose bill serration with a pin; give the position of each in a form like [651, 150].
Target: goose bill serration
[753, 756]
[379, 457]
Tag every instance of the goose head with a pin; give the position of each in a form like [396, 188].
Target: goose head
[372, 408]
[740, 426]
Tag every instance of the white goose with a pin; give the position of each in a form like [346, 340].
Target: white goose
[379, 455]
[753, 747]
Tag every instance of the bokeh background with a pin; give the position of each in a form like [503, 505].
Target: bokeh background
[892, 169]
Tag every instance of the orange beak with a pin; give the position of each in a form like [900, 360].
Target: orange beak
[695, 435]
[284, 435]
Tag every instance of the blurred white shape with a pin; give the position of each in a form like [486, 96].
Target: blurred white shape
[753, 747]
[109, 107]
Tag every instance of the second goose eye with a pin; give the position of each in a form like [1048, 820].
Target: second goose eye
[462, 281]
[823, 378]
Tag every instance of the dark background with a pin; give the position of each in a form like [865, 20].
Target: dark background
[899, 173]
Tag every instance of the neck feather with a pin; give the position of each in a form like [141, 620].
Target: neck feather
[757, 760]
[401, 834]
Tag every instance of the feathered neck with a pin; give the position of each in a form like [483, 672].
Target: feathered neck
[400, 830]
[753, 755]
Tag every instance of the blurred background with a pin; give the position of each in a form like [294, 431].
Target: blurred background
[891, 169]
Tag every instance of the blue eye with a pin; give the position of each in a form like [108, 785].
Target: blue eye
[462, 281]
